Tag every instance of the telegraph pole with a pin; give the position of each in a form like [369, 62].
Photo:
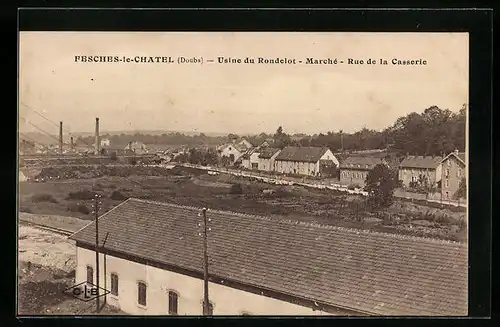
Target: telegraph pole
[96, 211]
[206, 301]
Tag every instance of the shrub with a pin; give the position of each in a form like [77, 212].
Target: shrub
[77, 207]
[81, 195]
[236, 189]
[44, 197]
[352, 186]
[117, 195]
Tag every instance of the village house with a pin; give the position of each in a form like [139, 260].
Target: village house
[232, 151]
[251, 159]
[266, 143]
[311, 161]
[267, 156]
[244, 144]
[137, 147]
[355, 169]
[454, 169]
[414, 169]
[162, 274]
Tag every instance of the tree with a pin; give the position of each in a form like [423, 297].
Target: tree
[462, 189]
[380, 184]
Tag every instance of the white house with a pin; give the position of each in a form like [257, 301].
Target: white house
[232, 151]
[105, 143]
[251, 159]
[267, 157]
[263, 266]
[244, 144]
[312, 161]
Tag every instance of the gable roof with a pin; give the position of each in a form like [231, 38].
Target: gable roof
[267, 153]
[360, 162]
[364, 271]
[427, 162]
[459, 155]
[301, 154]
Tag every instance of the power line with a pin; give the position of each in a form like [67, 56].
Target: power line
[54, 123]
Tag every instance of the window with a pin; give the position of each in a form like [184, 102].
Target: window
[459, 172]
[90, 275]
[447, 173]
[114, 284]
[173, 303]
[446, 184]
[141, 293]
[448, 163]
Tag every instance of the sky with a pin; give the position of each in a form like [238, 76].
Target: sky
[236, 98]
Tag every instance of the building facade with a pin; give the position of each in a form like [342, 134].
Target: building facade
[454, 169]
[420, 169]
[355, 169]
[137, 147]
[309, 161]
[266, 158]
[232, 152]
[162, 274]
[251, 160]
[122, 277]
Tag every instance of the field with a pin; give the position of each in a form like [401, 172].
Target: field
[73, 197]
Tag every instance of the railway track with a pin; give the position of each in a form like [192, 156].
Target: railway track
[56, 230]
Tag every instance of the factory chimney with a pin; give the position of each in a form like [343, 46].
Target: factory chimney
[72, 144]
[97, 140]
[60, 137]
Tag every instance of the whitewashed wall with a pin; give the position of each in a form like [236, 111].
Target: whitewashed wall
[226, 300]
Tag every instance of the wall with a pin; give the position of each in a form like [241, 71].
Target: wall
[329, 156]
[226, 300]
[353, 176]
[406, 174]
[230, 149]
[268, 164]
[297, 167]
[451, 182]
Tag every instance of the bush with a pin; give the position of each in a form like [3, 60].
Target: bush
[81, 195]
[236, 189]
[43, 198]
[353, 187]
[81, 208]
[117, 195]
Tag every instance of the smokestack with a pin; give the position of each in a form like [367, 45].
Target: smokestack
[97, 140]
[72, 144]
[60, 137]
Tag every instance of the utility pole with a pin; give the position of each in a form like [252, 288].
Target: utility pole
[96, 211]
[206, 301]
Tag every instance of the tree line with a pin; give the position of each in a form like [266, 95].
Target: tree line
[435, 131]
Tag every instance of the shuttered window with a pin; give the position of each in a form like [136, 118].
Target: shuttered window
[114, 284]
[173, 303]
[90, 275]
[141, 293]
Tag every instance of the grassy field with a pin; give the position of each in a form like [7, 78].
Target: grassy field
[193, 187]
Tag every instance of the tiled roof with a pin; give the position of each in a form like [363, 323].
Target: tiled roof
[368, 272]
[427, 162]
[301, 154]
[267, 153]
[360, 162]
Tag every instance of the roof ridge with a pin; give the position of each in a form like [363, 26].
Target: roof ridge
[310, 224]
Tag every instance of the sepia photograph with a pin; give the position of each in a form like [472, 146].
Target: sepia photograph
[243, 174]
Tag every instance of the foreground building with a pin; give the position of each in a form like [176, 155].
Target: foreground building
[453, 171]
[151, 262]
[310, 161]
[414, 169]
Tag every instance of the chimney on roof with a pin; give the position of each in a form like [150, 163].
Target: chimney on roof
[97, 140]
[60, 137]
